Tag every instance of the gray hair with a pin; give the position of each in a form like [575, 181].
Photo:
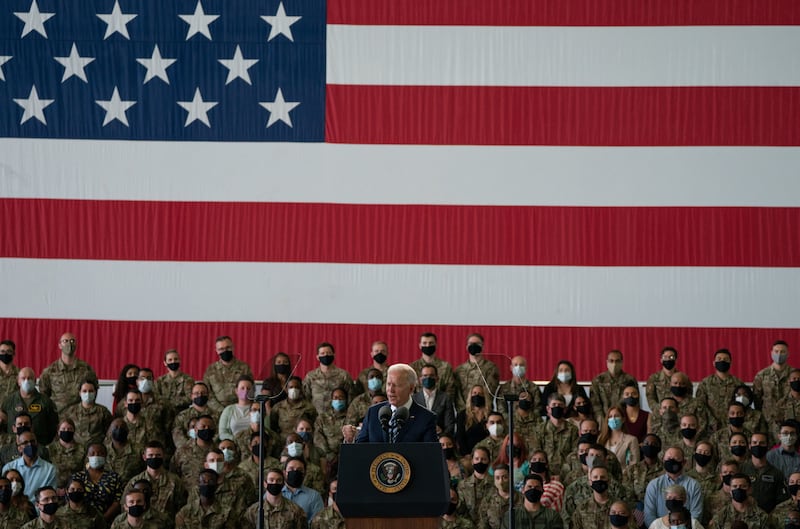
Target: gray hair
[677, 490]
[411, 375]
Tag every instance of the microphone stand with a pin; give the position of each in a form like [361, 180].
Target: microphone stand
[510, 399]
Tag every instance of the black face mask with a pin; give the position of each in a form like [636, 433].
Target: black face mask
[722, 367]
[599, 486]
[154, 462]
[207, 491]
[477, 401]
[294, 478]
[474, 349]
[585, 409]
[672, 466]
[668, 364]
[674, 505]
[76, 496]
[201, 401]
[679, 391]
[256, 450]
[736, 422]
[540, 467]
[587, 438]
[618, 520]
[428, 349]
[226, 356]
[630, 401]
[131, 381]
[702, 459]
[206, 435]
[283, 369]
[50, 508]
[380, 358]
[5, 496]
[66, 436]
[120, 435]
[582, 459]
[428, 382]
[650, 451]
[793, 489]
[525, 404]
[22, 429]
[557, 412]
[326, 360]
[449, 453]
[738, 450]
[758, 451]
[6, 358]
[726, 479]
[533, 495]
[451, 508]
[173, 366]
[795, 385]
[739, 495]
[31, 451]
[137, 511]
[688, 433]
[135, 407]
[275, 488]
[480, 468]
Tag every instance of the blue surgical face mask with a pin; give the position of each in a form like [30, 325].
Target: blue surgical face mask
[374, 384]
[339, 405]
[615, 423]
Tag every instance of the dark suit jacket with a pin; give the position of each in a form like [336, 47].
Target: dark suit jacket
[443, 408]
[420, 426]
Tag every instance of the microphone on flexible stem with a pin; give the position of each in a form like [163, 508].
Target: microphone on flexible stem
[401, 416]
[385, 415]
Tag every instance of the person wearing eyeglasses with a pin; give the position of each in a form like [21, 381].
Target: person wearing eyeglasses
[34, 470]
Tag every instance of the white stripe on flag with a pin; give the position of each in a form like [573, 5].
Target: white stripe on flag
[399, 294]
[400, 174]
[564, 56]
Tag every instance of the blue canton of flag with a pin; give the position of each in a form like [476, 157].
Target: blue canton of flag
[232, 70]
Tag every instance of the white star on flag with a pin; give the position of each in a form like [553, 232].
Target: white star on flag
[34, 20]
[197, 109]
[156, 66]
[198, 22]
[238, 66]
[74, 64]
[117, 21]
[33, 106]
[281, 23]
[3, 59]
[115, 108]
[279, 109]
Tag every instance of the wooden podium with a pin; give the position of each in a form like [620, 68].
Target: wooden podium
[392, 486]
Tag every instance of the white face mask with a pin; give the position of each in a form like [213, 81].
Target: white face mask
[743, 400]
[16, 488]
[216, 466]
[330, 501]
[192, 434]
[255, 416]
[88, 397]
[295, 449]
[28, 385]
[145, 385]
[228, 454]
[96, 462]
[518, 371]
[564, 377]
[495, 430]
[294, 393]
[788, 440]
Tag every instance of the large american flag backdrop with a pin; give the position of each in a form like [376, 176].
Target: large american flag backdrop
[564, 176]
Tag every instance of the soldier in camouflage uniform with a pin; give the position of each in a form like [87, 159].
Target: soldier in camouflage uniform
[320, 382]
[716, 390]
[702, 470]
[281, 513]
[61, 379]
[28, 399]
[771, 384]
[607, 386]
[203, 510]
[516, 385]
[735, 424]
[134, 511]
[527, 418]
[91, 419]
[658, 384]
[190, 458]
[122, 456]
[681, 389]
[592, 511]
[168, 490]
[782, 510]
[477, 486]
[379, 353]
[221, 376]
[251, 463]
[76, 512]
[476, 371]
[65, 454]
[636, 477]
[46, 499]
[141, 428]
[201, 405]
[8, 371]
[160, 414]
[741, 508]
[330, 517]
[789, 406]
[455, 517]
[557, 436]
[580, 489]
[715, 502]
[11, 518]
[358, 407]
[174, 387]
[495, 423]
[234, 488]
[427, 346]
[328, 429]
[495, 504]
[285, 414]
[532, 514]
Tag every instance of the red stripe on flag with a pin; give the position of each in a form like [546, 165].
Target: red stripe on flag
[565, 12]
[108, 345]
[419, 234]
[600, 116]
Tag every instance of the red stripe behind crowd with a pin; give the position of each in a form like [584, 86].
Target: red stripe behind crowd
[354, 233]
[108, 345]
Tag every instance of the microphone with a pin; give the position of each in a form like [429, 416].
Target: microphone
[384, 415]
[400, 416]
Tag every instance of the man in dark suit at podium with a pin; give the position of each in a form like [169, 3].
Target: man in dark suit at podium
[418, 425]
